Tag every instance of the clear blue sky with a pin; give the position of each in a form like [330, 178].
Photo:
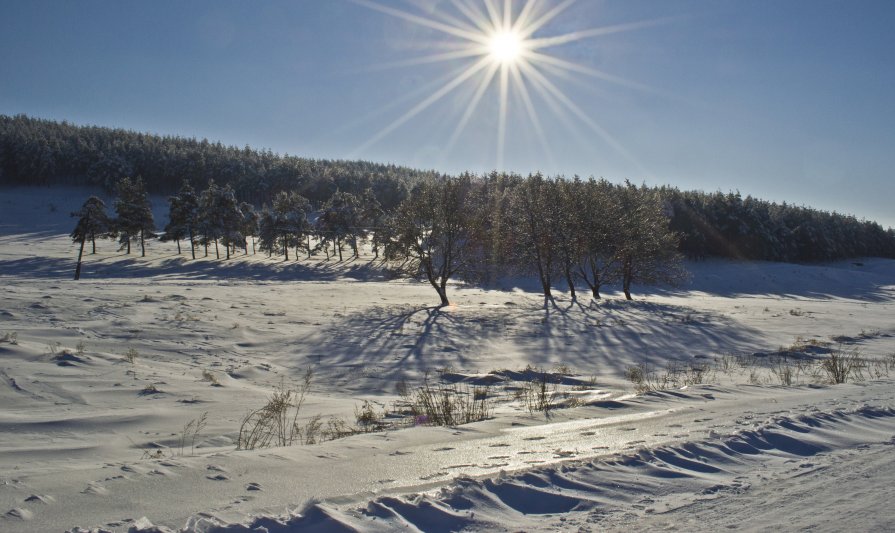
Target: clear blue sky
[786, 100]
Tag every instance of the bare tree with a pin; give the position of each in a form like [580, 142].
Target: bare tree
[432, 232]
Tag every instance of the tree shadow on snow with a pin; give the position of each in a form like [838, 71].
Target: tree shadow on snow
[379, 347]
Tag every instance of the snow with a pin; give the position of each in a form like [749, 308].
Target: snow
[85, 442]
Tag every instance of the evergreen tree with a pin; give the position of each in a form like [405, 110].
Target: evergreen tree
[341, 220]
[182, 219]
[92, 222]
[290, 221]
[133, 214]
[249, 227]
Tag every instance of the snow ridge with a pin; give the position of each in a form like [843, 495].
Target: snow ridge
[673, 476]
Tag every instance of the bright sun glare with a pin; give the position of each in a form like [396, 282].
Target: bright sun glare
[498, 38]
[505, 46]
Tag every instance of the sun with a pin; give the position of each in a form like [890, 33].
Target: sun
[502, 44]
[506, 47]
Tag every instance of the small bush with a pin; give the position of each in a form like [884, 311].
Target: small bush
[10, 337]
[841, 365]
[276, 423]
[539, 395]
[450, 405]
[131, 355]
[191, 431]
[367, 417]
[783, 370]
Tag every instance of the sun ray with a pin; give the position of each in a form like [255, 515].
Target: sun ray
[434, 97]
[532, 113]
[456, 21]
[545, 18]
[474, 15]
[558, 40]
[522, 17]
[581, 115]
[493, 14]
[496, 38]
[422, 21]
[568, 65]
[424, 60]
[471, 107]
[502, 119]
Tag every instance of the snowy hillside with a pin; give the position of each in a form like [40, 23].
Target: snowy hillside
[704, 407]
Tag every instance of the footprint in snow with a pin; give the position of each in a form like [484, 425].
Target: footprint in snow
[445, 449]
[219, 477]
[254, 486]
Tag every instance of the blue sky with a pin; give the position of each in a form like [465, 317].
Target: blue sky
[786, 100]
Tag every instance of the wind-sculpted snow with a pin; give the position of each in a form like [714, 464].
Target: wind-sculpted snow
[691, 471]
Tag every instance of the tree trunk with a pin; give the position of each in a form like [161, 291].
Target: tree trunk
[228, 250]
[286, 247]
[206, 247]
[217, 251]
[595, 291]
[128, 245]
[339, 246]
[570, 280]
[545, 283]
[309, 246]
[142, 244]
[253, 245]
[78, 267]
[178, 246]
[442, 293]
[93, 241]
[192, 244]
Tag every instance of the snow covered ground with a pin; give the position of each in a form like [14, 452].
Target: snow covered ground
[98, 379]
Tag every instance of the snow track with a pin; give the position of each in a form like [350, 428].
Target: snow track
[655, 484]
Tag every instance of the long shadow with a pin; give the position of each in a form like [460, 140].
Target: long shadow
[870, 280]
[237, 268]
[380, 347]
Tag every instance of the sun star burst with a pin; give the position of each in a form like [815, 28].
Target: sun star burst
[503, 49]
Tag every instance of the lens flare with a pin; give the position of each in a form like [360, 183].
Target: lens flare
[504, 51]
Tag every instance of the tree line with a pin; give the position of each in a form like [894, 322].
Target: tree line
[568, 232]
[35, 151]
[43, 152]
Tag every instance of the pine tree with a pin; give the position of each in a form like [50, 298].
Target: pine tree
[249, 227]
[290, 221]
[182, 220]
[92, 222]
[133, 214]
